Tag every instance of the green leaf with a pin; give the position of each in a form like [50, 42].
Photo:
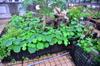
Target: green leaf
[65, 34]
[39, 38]
[16, 49]
[54, 41]
[58, 36]
[34, 40]
[51, 43]
[31, 45]
[31, 39]
[66, 42]
[79, 29]
[88, 49]
[46, 45]
[43, 39]
[31, 50]
[40, 46]
[24, 46]
[71, 33]
[59, 42]
[17, 41]
[8, 42]
[48, 38]
[73, 22]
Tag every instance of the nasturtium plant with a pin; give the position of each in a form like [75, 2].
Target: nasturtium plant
[86, 44]
[3, 53]
[97, 44]
[26, 33]
[78, 12]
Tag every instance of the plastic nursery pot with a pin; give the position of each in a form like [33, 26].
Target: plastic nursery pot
[81, 58]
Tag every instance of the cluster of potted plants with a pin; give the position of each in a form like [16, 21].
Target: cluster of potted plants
[28, 33]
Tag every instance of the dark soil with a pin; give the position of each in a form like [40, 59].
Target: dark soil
[19, 56]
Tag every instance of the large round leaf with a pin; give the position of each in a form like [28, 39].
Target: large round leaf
[16, 49]
[31, 39]
[7, 42]
[17, 41]
[34, 40]
[48, 38]
[31, 50]
[39, 38]
[40, 46]
[59, 42]
[46, 45]
[32, 45]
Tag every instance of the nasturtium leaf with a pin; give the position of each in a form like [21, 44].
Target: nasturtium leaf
[39, 38]
[88, 49]
[36, 20]
[66, 42]
[34, 40]
[73, 22]
[51, 43]
[31, 39]
[17, 41]
[79, 34]
[32, 45]
[54, 41]
[59, 42]
[31, 50]
[16, 49]
[24, 46]
[85, 44]
[48, 38]
[40, 46]
[82, 41]
[8, 42]
[71, 33]
[46, 45]
[65, 34]
[43, 39]
[58, 36]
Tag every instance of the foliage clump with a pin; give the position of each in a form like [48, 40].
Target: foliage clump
[26, 33]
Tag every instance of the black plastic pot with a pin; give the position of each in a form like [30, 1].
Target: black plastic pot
[19, 56]
[79, 56]
[83, 59]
